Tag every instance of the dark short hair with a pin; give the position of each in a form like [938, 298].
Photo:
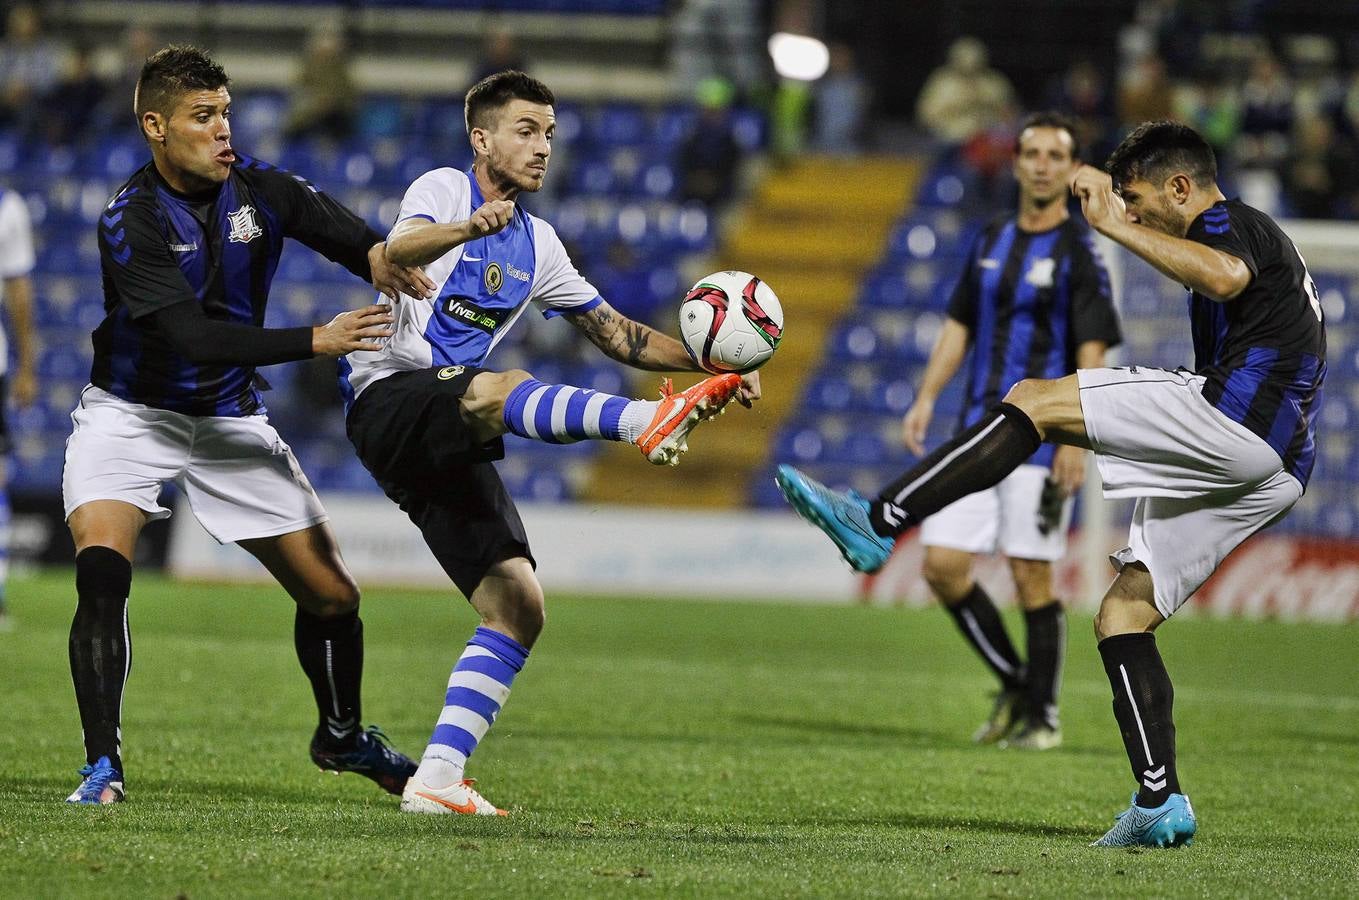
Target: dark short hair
[1153, 151]
[492, 93]
[172, 71]
[1051, 118]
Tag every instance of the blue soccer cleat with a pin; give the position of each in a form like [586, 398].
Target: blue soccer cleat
[843, 517]
[103, 784]
[372, 757]
[1172, 824]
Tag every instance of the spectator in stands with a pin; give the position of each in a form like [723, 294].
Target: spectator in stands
[1320, 174]
[30, 65]
[710, 156]
[325, 98]
[965, 96]
[75, 106]
[16, 288]
[840, 104]
[1267, 113]
[1144, 93]
[1083, 92]
[1212, 107]
[500, 52]
[718, 38]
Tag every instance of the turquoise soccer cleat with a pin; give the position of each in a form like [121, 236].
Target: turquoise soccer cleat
[843, 518]
[1172, 824]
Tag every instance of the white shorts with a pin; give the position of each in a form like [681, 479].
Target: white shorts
[1004, 518]
[240, 478]
[1204, 483]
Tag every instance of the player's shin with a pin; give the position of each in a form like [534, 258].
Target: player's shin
[980, 622]
[101, 649]
[1046, 628]
[562, 414]
[974, 460]
[1143, 701]
[331, 653]
[477, 689]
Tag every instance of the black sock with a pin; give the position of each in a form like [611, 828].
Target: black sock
[980, 623]
[331, 653]
[101, 649]
[1143, 697]
[1046, 628]
[973, 461]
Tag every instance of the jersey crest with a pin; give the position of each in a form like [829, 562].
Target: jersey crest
[244, 229]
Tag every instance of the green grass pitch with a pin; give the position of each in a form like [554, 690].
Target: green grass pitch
[669, 749]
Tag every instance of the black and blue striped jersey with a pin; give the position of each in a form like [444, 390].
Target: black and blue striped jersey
[1263, 352]
[1028, 300]
[159, 248]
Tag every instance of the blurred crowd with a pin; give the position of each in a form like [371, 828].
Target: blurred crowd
[1282, 114]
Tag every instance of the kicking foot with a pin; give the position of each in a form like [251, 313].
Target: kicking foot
[371, 756]
[459, 798]
[843, 518]
[1172, 824]
[103, 784]
[678, 414]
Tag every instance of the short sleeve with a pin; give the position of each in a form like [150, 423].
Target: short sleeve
[16, 237]
[1220, 229]
[1092, 303]
[134, 253]
[443, 196]
[962, 303]
[557, 286]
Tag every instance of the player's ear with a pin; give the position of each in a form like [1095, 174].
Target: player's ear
[153, 125]
[480, 144]
[1179, 187]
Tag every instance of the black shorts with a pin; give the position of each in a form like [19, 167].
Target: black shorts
[410, 434]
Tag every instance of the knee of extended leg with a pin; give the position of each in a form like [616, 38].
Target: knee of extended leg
[338, 599]
[1025, 393]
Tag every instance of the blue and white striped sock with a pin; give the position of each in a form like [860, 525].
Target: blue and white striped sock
[561, 414]
[478, 687]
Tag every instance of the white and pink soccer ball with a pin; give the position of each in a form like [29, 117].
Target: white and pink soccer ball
[731, 322]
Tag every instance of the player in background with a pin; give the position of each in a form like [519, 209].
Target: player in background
[189, 245]
[1211, 456]
[427, 418]
[16, 292]
[1032, 302]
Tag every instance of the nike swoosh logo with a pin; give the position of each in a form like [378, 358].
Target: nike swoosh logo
[467, 809]
[989, 264]
[676, 407]
[473, 258]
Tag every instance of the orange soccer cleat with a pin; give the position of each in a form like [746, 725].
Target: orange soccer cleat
[459, 798]
[667, 436]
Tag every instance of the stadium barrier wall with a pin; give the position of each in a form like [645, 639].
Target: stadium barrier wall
[669, 553]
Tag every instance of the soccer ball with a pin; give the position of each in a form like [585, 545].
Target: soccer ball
[731, 322]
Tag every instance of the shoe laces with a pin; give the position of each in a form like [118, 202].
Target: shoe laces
[378, 740]
[667, 388]
[97, 778]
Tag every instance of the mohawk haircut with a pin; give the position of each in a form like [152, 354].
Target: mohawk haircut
[1051, 118]
[172, 71]
[1153, 151]
[494, 92]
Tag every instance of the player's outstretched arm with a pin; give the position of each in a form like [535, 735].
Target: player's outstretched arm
[418, 241]
[633, 343]
[204, 342]
[1214, 274]
[949, 350]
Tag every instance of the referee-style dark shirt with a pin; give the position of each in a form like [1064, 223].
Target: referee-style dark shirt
[159, 247]
[1264, 351]
[1029, 299]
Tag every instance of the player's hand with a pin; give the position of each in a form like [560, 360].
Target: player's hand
[750, 389]
[490, 217]
[1104, 209]
[392, 280]
[23, 388]
[358, 329]
[1068, 469]
[914, 425]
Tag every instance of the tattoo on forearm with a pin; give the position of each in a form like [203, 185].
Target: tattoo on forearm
[636, 338]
